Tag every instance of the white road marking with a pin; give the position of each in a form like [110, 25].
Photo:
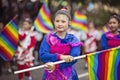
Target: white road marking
[83, 75]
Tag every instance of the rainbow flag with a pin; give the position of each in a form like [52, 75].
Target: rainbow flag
[9, 40]
[105, 28]
[79, 21]
[43, 21]
[104, 65]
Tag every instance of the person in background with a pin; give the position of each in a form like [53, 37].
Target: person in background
[112, 38]
[39, 37]
[93, 39]
[60, 45]
[25, 49]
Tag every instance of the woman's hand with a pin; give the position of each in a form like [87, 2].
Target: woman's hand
[50, 66]
[67, 58]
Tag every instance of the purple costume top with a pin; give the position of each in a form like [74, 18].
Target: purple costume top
[110, 40]
[51, 48]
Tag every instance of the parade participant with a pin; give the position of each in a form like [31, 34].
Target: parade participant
[39, 37]
[25, 49]
[112, 38]
[93, 39]
[60, 46]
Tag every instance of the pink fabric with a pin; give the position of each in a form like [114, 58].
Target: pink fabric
[55, 46]
[57, 49]
[76, 44]
[60, 48]
[113, 41]
[58, 74]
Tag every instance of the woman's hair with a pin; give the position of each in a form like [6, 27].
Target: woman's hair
[116, 16]
[63, 11]
[27, 20]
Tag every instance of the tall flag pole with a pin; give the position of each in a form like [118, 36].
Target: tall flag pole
[43, 21]
[9, 40]
[104, 65]
[79, 21]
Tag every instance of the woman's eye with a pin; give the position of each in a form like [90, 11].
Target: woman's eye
[63, 21]
[57, 21]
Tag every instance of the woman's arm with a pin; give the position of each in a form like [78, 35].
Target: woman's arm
[44, 52]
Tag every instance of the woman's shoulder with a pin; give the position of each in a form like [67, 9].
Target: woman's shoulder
[106, 33]
[110, 35]
[71, 37]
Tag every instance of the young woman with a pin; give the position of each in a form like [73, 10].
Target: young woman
[25, 49]
[60, 46]
[112, 38]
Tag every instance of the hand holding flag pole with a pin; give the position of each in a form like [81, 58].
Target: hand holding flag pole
[62, 61]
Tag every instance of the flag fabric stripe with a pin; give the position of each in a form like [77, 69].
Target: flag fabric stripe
[7, 46]
[9, 40]
[106, 61]
[117, 67]
[76, 26]
[105, 29]
[79, 21]
[9, 36]
[7, 53]
[4, 38]
[4, 56]
[43, 22]
[37, 22]
[104, 65]
[9, 29]
[95, 67]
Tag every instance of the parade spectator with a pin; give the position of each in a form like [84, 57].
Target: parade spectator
[60, 46]
[25, 49]
[112, 38]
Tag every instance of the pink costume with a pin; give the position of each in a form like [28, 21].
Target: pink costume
[51, 49]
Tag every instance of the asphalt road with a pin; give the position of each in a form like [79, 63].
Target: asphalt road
[37, 74]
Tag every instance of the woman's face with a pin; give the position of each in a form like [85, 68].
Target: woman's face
[113, 24]
[61, 23]
[91, 25]
[26, 25]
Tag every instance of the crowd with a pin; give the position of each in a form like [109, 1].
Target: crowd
[63, 44]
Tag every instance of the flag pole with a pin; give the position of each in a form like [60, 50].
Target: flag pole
[62, 61]
[42, 66]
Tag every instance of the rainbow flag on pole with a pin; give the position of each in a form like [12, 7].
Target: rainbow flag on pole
[43, 21]
[104, 65]
[9, 40]
[79, 21]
